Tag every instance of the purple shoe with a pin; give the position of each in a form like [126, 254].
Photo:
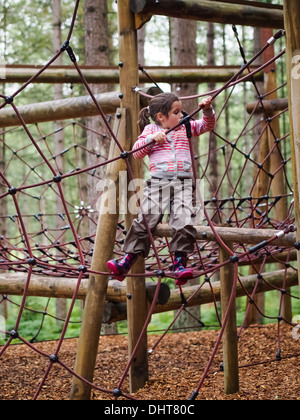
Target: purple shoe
[182, 273]
[120, 269]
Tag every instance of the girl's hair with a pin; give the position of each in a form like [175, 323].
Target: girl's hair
[160, 103]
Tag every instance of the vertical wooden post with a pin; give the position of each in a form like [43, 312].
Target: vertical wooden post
[278, 184]
[273, 163]
[230, 347]
[136, 287]
[260, 189]
[292, 28]
[97, 288]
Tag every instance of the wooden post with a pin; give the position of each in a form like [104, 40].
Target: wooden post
[136, 287]
[230, 348]
[291, 19]
[97, 288]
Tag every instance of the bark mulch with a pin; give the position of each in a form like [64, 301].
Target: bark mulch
[175, 367]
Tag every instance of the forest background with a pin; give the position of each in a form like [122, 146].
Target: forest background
[30, 33]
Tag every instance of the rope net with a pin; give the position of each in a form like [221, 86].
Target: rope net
[253, 190]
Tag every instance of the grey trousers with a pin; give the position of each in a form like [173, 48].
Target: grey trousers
[161, 196]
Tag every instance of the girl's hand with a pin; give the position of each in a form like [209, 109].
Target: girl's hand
[206, 103]
[160, 137]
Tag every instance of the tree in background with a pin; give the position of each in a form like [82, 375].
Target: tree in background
[61, 304]
[183, 49]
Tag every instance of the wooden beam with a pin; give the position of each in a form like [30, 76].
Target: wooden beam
[61, 287]
[213, 11]
[172, 74]
[197, 296]
[234, 235]
[61, 109]
[270, 106]
[62, 74]
[13, 284]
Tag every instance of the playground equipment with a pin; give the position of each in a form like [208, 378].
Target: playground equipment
[226, 239]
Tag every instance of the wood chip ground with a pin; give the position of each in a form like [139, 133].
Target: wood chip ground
[175, 367]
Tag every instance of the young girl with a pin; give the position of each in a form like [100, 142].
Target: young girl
[170, 186]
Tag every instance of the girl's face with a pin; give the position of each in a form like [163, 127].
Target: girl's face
[174, 116]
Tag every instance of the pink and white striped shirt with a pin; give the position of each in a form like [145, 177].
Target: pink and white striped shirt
[172, 159]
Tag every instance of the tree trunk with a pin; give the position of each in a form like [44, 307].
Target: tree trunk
[3, 202]
[61, 304]
[213, 160]
[96, 54]
[184, 51]
[252, 315]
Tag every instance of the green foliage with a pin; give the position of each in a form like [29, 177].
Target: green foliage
[38, 322]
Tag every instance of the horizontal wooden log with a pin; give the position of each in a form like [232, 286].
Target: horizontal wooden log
[203, 296]
[247, 13]
[60, 287]
[62, 74]
[14, 284]
[67, 74]
[270, 106]
[61, 109]
[234, 235]
[43, 286]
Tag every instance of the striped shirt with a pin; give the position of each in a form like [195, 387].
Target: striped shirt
[172, 159]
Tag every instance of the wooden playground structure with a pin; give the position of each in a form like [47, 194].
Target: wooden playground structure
[107, 301]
